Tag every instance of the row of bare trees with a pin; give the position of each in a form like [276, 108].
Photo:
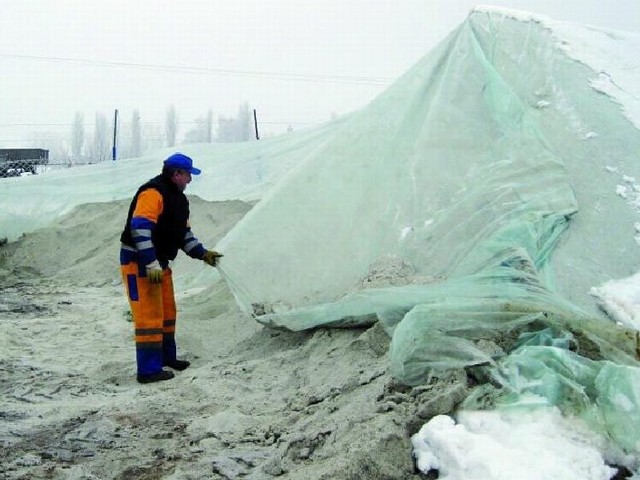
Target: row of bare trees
[135, 136]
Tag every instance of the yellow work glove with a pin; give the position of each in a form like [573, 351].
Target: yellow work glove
[211, 257]
[154, 272]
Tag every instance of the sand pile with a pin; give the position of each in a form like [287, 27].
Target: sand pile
[256, 403]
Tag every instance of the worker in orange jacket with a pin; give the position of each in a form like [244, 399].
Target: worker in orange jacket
[157, 227]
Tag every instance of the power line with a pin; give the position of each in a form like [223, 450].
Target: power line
[344, 79]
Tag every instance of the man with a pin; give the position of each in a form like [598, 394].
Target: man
[157, 226]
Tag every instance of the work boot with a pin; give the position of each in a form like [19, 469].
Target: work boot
[156, 377]
[177, 364]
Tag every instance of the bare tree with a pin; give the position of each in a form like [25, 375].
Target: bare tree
[136, 138]
[239, 129]
[244, 123]
[209, 127]
[77, 136]
[201, 132]
[226, 129]
[52, 141]
[171, 126]
[101, 139]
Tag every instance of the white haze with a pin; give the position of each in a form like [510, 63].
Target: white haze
[297, 63]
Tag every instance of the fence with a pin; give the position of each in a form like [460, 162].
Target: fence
[22, 161]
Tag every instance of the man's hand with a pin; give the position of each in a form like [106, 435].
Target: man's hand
[154, 272]
[211, 257]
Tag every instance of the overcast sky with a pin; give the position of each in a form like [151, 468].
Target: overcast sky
[295, 61]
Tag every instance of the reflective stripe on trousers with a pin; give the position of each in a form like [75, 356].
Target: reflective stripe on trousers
[153, 309]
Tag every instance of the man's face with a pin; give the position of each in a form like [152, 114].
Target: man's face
[181, 178]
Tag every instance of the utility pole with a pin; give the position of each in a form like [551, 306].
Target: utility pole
[115, 136]
[255, 123]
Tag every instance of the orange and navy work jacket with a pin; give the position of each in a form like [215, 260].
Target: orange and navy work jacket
[157, 225]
